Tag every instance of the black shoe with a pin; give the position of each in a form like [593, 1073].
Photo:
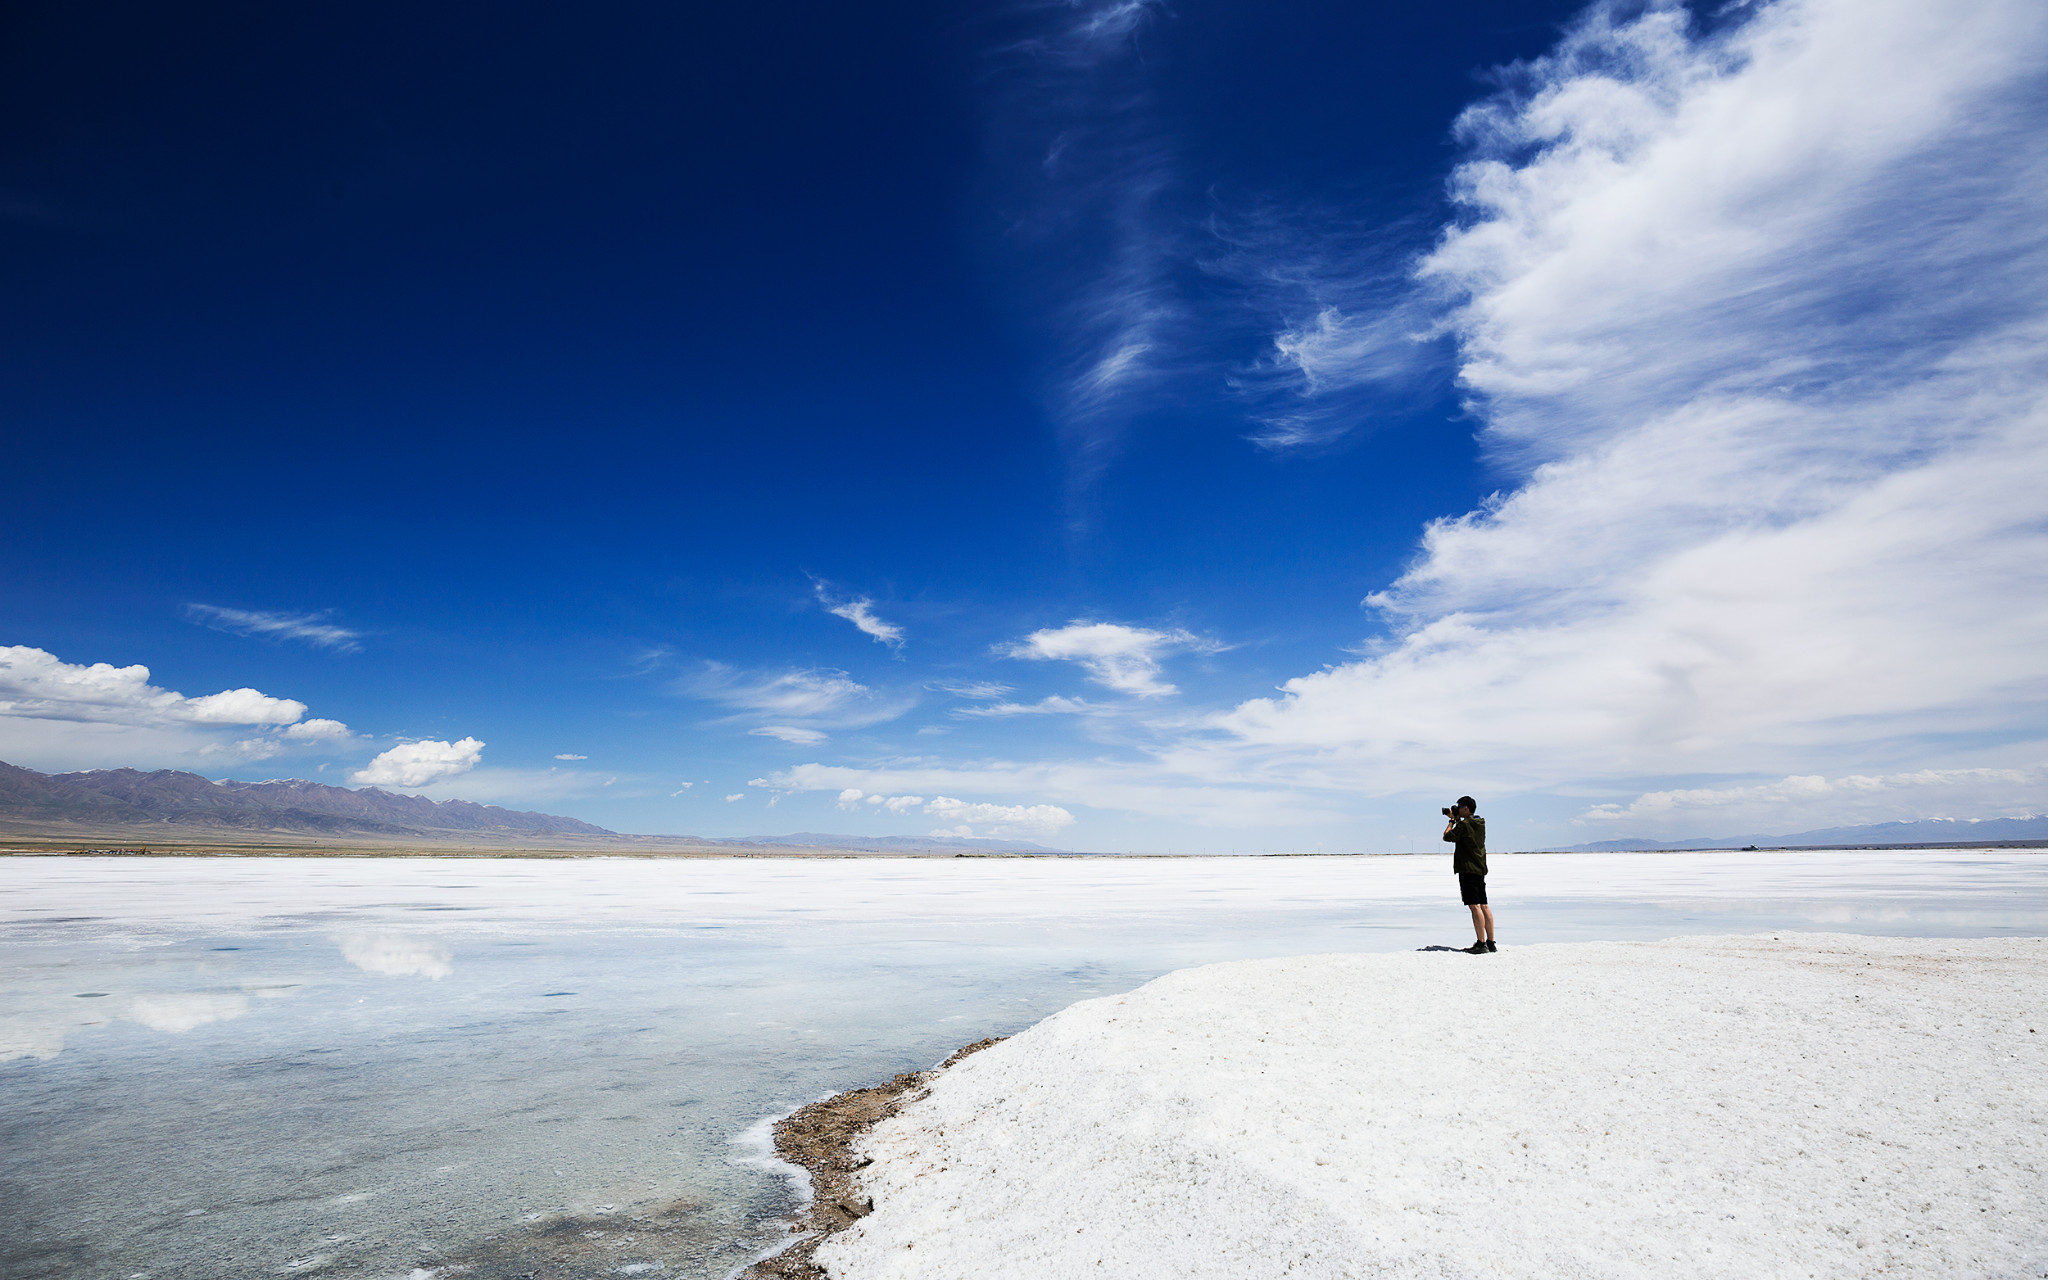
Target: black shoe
[1490, 948]
[1476, 949]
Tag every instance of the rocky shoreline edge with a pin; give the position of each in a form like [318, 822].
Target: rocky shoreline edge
[819, 1139]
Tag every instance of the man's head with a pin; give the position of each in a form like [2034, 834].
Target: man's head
[1467, 805]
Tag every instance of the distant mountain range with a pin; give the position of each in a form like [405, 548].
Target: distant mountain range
[129, 798]
[168, 804]
[885, 844]
[1925, 831]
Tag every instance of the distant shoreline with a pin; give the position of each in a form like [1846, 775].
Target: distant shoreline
[131, 845]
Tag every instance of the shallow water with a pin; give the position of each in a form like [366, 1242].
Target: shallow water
[370, 1067]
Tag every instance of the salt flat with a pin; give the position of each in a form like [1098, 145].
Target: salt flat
[408, 1063]
[1797, 1105]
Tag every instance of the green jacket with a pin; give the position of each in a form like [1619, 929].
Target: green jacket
[1469, 834]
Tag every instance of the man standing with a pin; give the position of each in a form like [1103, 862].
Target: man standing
[1466, 830]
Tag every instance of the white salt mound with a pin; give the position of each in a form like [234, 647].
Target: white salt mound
[1804, 1105]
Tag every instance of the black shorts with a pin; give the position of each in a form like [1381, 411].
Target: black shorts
[1472, 889]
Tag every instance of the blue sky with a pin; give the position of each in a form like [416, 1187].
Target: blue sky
[1117, 425]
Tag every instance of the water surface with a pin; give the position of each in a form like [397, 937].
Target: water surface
[223, 1067]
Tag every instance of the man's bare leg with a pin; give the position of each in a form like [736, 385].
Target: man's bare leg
[1482, 923]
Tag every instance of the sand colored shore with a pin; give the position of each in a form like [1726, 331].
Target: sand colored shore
[1797, 1105]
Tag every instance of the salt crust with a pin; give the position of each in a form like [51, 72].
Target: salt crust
[1789, 1106]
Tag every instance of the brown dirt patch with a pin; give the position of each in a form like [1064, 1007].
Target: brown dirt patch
[820, 1139]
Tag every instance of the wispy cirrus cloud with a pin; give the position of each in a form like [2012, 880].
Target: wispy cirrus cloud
[1079, 170]
[860, 611]
[1160, 285]
[1051, 705]
[800, 707]
[973, 690]
[812, 694]
[1346, 334]
[312, 628]
[790, 733]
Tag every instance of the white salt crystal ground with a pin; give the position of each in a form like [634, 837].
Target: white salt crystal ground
[1806, 1105]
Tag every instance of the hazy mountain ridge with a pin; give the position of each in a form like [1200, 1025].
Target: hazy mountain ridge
[1924, 831]
[883, 844]
[133, 797]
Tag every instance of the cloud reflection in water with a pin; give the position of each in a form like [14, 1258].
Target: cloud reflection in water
[395, 955]
[184, 1010]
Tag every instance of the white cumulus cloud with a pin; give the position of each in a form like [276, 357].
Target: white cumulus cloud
[420, 764]
[1126, 659]
[238, 706]
[36, 684]
[999, 819]
[1757, 318]
[852, 799]
[62, 715]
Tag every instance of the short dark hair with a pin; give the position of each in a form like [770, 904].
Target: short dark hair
[1467, 802]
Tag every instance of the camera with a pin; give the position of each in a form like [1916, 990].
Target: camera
[1448, 813]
